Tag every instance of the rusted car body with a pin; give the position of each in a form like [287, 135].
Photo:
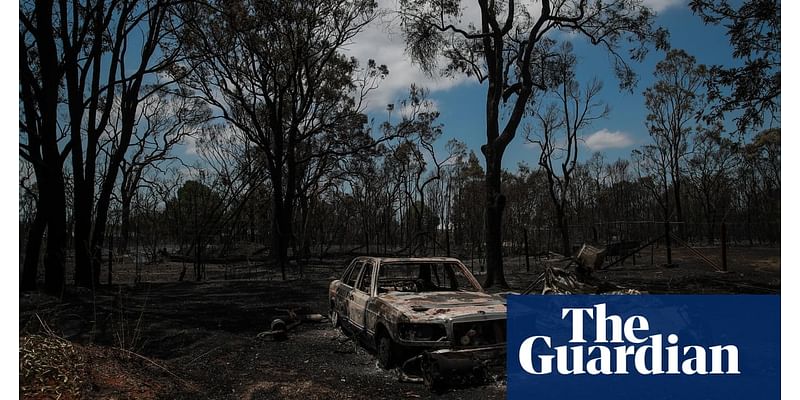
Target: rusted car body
[406, 307]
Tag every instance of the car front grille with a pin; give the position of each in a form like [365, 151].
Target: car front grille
[479, 333]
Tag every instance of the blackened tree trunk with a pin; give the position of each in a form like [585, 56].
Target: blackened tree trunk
[673, 102]
[281, 234]
[127, 189]
[44, 150]
[33, 247]
[282, 201]
[711, 228]
[130, 101]
[667, 230]
[125, 223]
[495, 205]
[505, 51]
[563, 227]
[82, 231]
[97, 110]
[55, 206]
[676, 184]
[95, 70]
[668, 241]
[32, 152]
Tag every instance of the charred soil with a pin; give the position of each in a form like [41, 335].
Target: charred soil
[189, 340]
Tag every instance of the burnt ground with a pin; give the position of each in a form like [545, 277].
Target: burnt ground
[187, 340]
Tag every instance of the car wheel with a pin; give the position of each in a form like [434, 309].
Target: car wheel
[386, 352]
[333, 315]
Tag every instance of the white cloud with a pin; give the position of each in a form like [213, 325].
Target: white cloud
[661, 5]
[383, 42]
[605, 139]
[190, 148]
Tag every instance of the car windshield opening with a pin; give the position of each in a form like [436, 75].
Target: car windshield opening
[422, 277]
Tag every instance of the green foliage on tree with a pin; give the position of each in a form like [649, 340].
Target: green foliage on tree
[752, 90]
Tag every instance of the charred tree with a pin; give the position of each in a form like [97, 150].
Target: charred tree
[672, 103]
[292, 98]
[41, 74]
[502, 50]
[559, 125]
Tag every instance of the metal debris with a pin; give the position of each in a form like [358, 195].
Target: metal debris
[590, 258]
[281, 325]
[560, 281]
[444, 368]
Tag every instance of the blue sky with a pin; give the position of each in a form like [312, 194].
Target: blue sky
[461, 102]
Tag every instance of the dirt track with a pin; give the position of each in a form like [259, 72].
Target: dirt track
[198, 339]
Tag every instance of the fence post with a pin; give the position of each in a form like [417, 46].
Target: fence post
[446, 240]
[110, 256]
[472, 257]
[527, 262]
[724, 242]
[667, 233]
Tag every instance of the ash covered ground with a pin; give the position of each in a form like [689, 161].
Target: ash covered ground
[187, 340]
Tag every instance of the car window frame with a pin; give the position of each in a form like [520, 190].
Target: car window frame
[357, 286]
[353, 266]
[456, 266]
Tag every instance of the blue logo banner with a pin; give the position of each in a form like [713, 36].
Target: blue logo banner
[644, 347]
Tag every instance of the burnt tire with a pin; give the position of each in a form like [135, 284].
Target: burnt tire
[333, 315]
[386, 352]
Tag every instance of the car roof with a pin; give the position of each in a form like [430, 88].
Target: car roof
[409, 260]
[383, 260]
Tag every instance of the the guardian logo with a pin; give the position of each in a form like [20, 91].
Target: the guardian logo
[629, 347]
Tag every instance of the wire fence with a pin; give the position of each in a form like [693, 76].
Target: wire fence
[545, 239]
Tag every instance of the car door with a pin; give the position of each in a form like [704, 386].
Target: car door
[359, 297]
[345, 287]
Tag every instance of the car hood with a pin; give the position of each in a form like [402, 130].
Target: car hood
[443, 305]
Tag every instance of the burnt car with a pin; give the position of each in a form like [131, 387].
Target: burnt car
[431, 307]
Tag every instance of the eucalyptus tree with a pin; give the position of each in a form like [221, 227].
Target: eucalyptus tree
[164, 121]
[420, 167]
[672, 103]
[275, 72]
[712, 164]
[80, 64]
[652, 163]
[504, 48]
[760, 177]
[42, 139]
[560, 123]
[106, 77]
[751, 87]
